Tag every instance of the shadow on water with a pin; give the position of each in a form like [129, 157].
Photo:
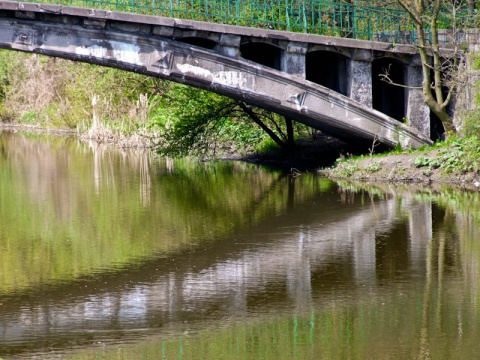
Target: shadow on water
[320, 151]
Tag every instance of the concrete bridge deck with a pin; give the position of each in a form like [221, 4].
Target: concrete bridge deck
[212, 57]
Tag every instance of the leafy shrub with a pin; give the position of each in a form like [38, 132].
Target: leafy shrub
[374, 166]
[460, 155]
[6, 114]
[422, 161]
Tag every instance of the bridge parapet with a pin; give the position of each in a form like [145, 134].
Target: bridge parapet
[357, 20]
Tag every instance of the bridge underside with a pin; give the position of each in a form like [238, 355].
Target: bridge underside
[291, 96]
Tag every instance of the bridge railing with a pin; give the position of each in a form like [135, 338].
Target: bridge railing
[341, 19]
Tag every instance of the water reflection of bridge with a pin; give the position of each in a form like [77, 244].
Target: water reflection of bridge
[288, 268]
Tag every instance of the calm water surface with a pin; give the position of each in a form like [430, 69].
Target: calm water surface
[111, 254]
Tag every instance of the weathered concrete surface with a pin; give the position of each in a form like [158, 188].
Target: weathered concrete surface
[361, 82]
[418, 113]
[293, 61]
[127, 41]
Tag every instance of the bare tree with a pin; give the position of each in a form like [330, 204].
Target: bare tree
[440, 65]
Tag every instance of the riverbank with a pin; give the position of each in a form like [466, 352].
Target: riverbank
[450, 164]
[13, 126]
[455, 163]
[102, 135]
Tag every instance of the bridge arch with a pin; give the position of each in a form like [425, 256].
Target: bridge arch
[388, 98]
[151, 46]
[329, 69]
[262, 53]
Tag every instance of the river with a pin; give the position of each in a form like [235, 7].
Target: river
[118, 254]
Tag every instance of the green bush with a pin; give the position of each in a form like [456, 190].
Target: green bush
[6, 114]
[459, 155]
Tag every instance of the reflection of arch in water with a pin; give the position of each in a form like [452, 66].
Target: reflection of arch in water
[387, 98]
[220, 281]
[262, 53]
[329, 69]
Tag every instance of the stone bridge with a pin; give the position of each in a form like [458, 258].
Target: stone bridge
[328, 83]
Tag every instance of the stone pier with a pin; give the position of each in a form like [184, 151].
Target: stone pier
[417, 112]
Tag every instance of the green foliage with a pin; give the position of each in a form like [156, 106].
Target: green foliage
[6, 68]
[6, 114]
[190, 121]
[460, 155]
[374, 166]
[475, 61]
[472, 121]
[201, 123]
[29, 117]
[267, 145]
[346, 167]
[421, 161]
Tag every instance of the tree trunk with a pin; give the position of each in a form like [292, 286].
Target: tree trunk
[264, 127]
[436, 103]
[290, 135]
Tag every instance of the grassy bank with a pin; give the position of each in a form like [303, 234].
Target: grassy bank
[456, 161]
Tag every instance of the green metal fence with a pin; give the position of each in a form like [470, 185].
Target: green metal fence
[308, 16]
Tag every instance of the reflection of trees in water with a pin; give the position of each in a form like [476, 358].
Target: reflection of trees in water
[443, 228]
[391, 269]
[396, 307]
[105, 169]
[226, 288]
[92, 206]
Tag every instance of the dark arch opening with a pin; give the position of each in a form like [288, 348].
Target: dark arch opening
[200, 42]
[328, 69]
[387, 98]
[262, 53]
[437, 131]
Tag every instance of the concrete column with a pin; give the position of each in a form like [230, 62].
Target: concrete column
[229, 45]
[360, 77]
[418, 113]
[293, 60]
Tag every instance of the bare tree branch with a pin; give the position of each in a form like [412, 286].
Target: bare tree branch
[440, 68]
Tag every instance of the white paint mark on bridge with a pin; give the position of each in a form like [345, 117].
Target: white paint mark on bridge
[194, 70]
[95, 51]
[126, 52]
[120, 51]
[232, 78]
